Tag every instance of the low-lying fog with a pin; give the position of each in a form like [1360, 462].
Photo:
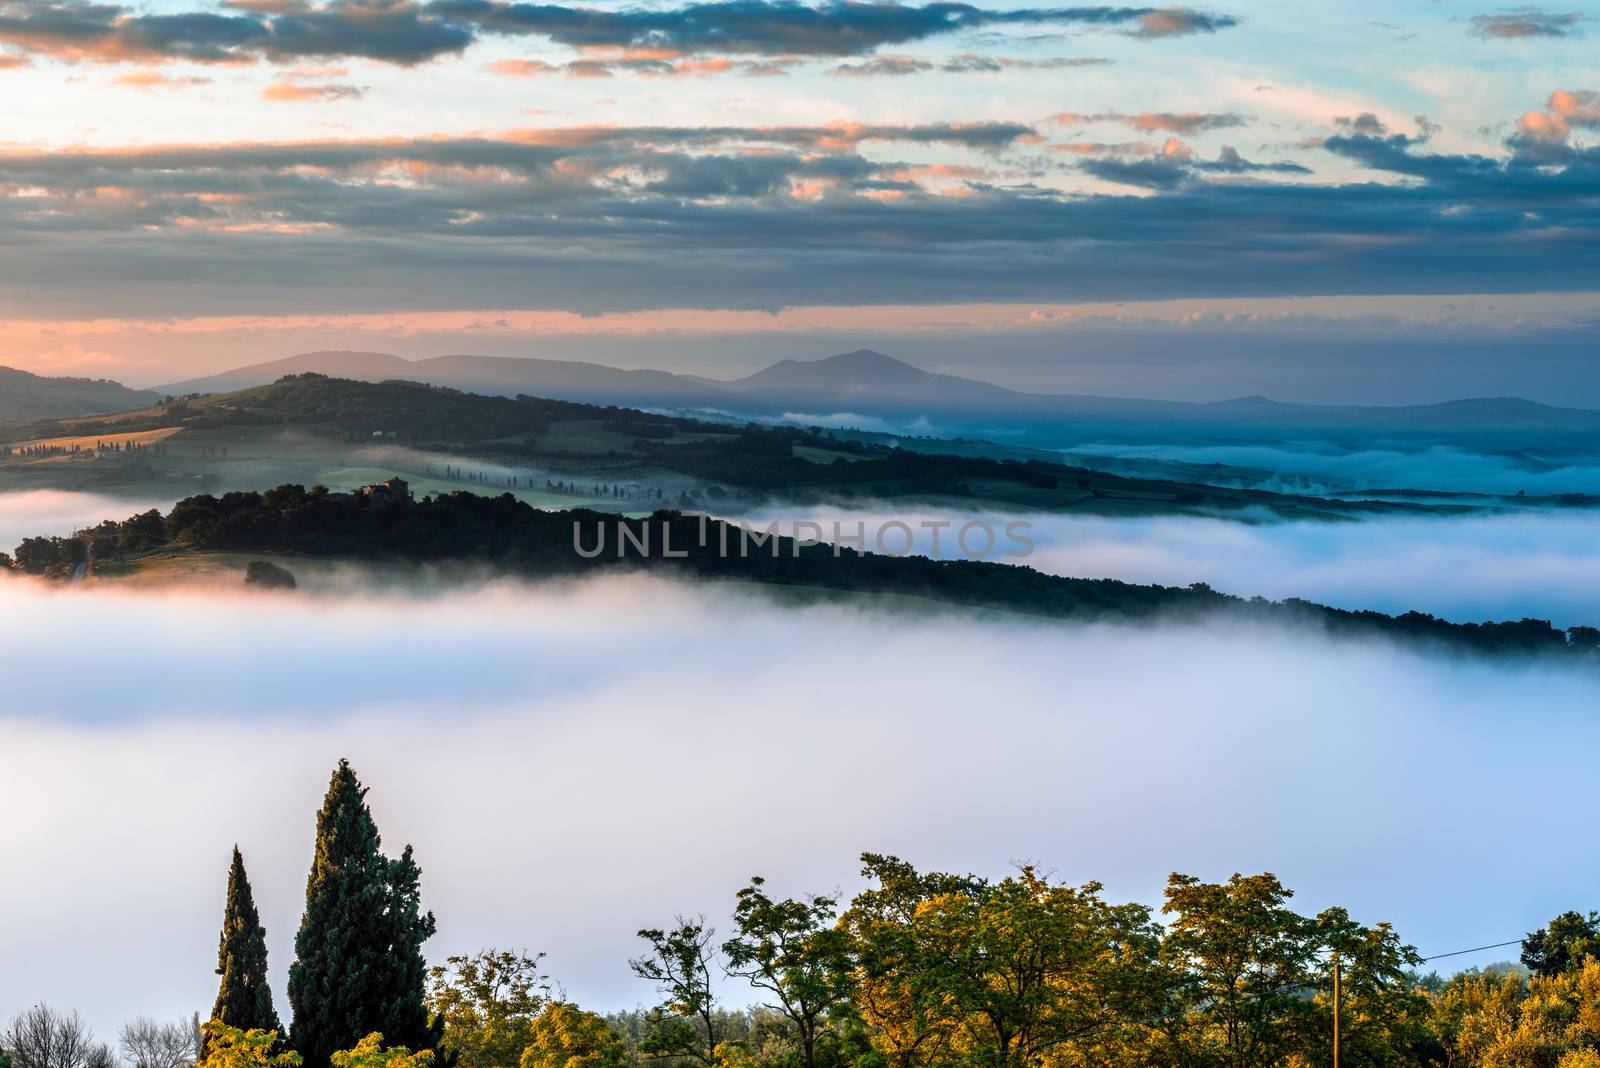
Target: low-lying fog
[1339, 468]
[1544, 564]
[572, 763]
[28, 513]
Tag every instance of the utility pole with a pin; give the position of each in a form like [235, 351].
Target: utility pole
[1337, 992]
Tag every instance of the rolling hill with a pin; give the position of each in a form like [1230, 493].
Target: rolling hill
[26, 397]
[870, 384]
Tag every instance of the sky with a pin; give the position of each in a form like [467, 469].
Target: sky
[1354, 202]
[545, 750]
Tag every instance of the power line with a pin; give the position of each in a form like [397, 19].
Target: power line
[1475, 949]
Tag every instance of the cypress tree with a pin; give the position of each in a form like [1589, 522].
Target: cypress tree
[244, 1000]
[358, 954]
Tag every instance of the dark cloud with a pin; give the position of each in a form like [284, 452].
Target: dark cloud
[409, 32]
[1365, 124]
[1141, 164]
[787, 27]
[393, 31]
[1229, 161]
[1524, 22]
[597, 218]
[1152, 121]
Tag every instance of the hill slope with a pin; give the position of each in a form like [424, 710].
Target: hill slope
[25, 397]
[590, 383]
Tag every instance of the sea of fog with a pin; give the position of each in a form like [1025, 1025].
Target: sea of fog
[1539, 563]
[1338, 467]
[574, 762]
[1544, 564]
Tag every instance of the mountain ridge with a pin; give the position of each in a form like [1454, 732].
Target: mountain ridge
[871, 384]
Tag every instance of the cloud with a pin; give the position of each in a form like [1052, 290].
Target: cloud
[1180, 22]
[790, 28]
[1229, 161]
[1541, 137]
[1526, 22]
[155, 79]
[596, 218]
[1152, 121]
[891, 66]
[1167, 166]
[1365, 124]
[666, 65]
[301, 92]
[392, 31]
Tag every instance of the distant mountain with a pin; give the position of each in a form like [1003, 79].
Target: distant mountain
[590, 383]
[26, 397]
[872, 385]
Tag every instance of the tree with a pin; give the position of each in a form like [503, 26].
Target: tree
[148, 1044]
[358, 965]
[371, 1053]
[1563, 942]
[244, 997]
[1012, 972]
[1497, 1021]
[1384, 1017]
[1247, 961]
[488, 1003]
[45, 1038]
[231, 1047]
[791, 950]
[679, 963]
[565, 1036]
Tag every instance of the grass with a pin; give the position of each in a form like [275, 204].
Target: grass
[88, 441]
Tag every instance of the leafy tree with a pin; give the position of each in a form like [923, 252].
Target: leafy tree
[1247, 964]
[244, 997]
[791, 950]
[1009, 972]
[1498, 1021]
[908, 1021]
[488, 1003]
[371, 1053]
[233, 1047]
[1384, 1016]
[680, 963]
[565, 1036]
[358, 965]
[1562, 943]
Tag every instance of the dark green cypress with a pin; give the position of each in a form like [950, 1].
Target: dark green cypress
[244, 1000]
[358, 954]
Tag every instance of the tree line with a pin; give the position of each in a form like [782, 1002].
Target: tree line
[517, 538]
[920, 969]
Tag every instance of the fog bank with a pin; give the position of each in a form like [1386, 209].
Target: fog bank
[572, 763]
[1543, 564]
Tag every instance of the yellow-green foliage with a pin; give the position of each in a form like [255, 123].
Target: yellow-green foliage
[1502, 1023]
[565, 1036]
[370, 1053]
[229, 1047]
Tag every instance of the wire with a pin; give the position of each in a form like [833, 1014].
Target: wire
[1475, 949]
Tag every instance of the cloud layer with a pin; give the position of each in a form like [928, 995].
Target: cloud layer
[876, 212]
[406, 33]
